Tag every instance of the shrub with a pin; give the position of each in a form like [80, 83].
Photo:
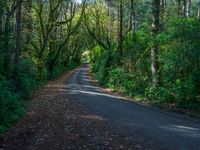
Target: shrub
[11, 106]
[27, 77]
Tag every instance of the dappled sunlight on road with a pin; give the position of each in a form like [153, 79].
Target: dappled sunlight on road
[183, 129]
[92, 117]
[73, 92]
[87, 86]
[88, 80]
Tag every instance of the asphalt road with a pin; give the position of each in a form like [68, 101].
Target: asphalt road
[172, 131]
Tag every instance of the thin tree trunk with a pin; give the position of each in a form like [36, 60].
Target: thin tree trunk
[154, 50]
[133, 29]
[179, 8]
[120, 40]
[6, 39]
[198, 15]
[18, 32]
[162, 14]
[29, 24]
[1, 19]
[110, 23]
[188, 5]
[186, 8]
[131, 16]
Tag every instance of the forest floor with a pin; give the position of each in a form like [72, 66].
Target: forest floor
[54, 122]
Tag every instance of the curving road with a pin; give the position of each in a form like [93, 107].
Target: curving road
[171, 130]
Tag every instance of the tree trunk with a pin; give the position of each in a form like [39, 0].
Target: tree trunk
[179, 8]
[51, 69]
[18, 32]
[133, 29]
[1, 19]
[154, 50]
[120, 39]
[133, 17]
[110, 23]
[188, 6]
[162, 14]
[198, 15]
[6, 48]
[184, 7]
[29, 23]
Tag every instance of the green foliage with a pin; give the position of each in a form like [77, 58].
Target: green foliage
[179, 67]
[59, 69]
[27, 77]
[12, 99]
[11, 107]
[37, 43]
[72, 64]
[180, 57]
[121, 80]
[179, 64]
[101, 61]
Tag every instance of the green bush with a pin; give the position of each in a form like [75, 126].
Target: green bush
[12, 98]
[178, 65]
[27, 77]
[184, 93]
[178, 58]
[116, 79]
[11, 106]
[126, 82]
[159, 95]
[101, 60]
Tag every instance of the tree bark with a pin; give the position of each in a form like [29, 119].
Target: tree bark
[120, 39]
[186, 8]
[154, 49]
[18, 32]
[110, 23]
[133, 29]
[1, 19]
[29, 24]
[133, 17]
[162, 14]
[179, 8]
[198, 13]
